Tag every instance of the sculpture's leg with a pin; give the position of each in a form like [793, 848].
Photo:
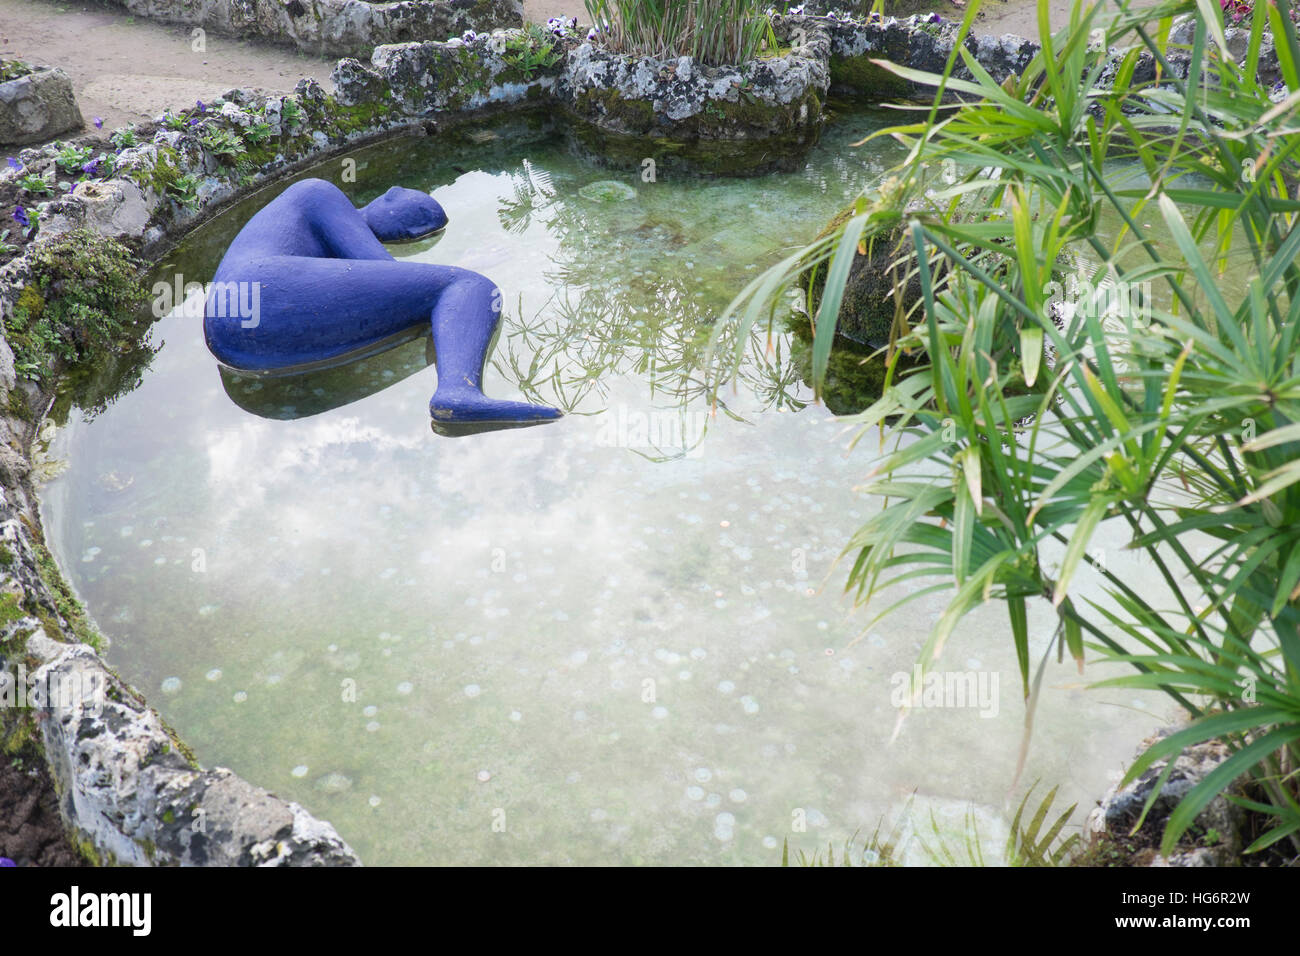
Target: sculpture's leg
[465, 320]
[320, 310]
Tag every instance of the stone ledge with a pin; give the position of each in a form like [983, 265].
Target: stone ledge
[741, 120]
[122, 777]
[335, 27]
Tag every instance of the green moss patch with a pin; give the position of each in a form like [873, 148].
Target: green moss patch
[859, 74]
[84, 294]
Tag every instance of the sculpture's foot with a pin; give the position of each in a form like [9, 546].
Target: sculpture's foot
[457, 409]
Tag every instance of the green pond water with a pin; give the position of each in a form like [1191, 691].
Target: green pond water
[618, 638]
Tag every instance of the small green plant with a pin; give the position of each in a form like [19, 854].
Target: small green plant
[10, 609]
[184, 189]
[71, 158]
[1027, 844]
[102, 166]
[224, 143]
[12, 70]
[123, 137]
[257, 134]
[290, 112]
[533, 49]
[174, 122]
[37, 184]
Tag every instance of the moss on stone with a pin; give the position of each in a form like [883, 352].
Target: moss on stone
[363, 116]
[66, 604]
[85, 848]
[859, 74]
[83, 285]
[871, 304]
[615, 113]
[17, 406]
[20, 734]
[162, 176]
[469, 76]
[10, 609]
[740, 138]
[855, 376]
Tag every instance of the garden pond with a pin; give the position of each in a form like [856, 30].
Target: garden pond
[617, 638]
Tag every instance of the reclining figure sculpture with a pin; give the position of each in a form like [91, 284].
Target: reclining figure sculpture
[326, 291]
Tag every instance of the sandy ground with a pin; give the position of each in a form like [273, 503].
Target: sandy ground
[125, 69]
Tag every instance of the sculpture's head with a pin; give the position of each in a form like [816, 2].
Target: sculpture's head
[401, 215]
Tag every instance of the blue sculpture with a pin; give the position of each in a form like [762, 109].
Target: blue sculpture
[307, 284]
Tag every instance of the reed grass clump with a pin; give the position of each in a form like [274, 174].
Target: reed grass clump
[713, 32]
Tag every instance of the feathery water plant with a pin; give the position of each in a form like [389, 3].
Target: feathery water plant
[1027, 843]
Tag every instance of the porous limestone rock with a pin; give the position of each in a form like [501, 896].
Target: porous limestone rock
[125, 782]
[37, 107]
[338, 27]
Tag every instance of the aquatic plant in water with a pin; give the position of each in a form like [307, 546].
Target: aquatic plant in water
[1049, 419]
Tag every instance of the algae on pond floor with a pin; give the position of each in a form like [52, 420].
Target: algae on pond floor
[615, 638]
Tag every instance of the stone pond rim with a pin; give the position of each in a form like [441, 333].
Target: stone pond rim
[136, 813]
[334, 27]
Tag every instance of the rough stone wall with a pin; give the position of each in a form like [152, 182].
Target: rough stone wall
[679, 89]
[925, 42]
[125, 780]
[1122, 807]
[459, 74]
[336, 27]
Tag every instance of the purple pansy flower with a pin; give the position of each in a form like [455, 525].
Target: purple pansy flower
[21, 217]
[14, 164]
[91, 168]
[5, 861]
[99, 122]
